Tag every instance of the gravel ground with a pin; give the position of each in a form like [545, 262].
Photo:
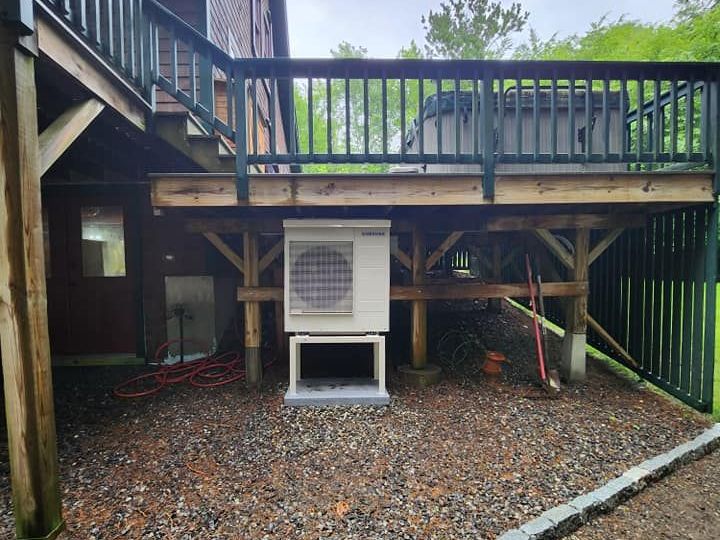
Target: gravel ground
[468, 458]
[683, 505]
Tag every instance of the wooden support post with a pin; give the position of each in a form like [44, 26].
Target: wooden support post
[24, 338]
[418, 321]
[573, 349]
[464, 290]
[495, 304]
[253, 362]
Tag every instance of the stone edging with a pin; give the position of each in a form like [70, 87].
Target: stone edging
[566, 518]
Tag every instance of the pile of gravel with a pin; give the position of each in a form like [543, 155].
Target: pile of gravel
[468, 458]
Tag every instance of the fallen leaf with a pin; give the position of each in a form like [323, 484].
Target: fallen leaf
[342, 508]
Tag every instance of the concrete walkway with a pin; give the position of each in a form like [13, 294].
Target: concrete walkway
[684, 505]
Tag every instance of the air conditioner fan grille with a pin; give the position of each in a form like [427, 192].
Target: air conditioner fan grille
[321, 277]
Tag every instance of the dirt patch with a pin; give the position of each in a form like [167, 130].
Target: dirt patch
[683, 505]
[467, 458]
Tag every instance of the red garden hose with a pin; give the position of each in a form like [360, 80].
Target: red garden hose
[206, 372]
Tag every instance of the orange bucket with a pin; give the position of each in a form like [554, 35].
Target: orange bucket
[493, 363]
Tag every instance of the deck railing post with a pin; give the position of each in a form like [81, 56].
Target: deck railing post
[713, 122]
[146, 53]
[488, 137]
[711, 253]
[241, 157]
[207, 86]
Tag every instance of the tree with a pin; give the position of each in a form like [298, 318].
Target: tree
[355, 113]
[474, 29]
[693, 34]
[686, 10]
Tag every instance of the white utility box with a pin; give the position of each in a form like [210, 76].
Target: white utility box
[337, 276]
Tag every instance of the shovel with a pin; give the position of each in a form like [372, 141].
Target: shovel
[536, 326]
[553, 377]
[552, 388]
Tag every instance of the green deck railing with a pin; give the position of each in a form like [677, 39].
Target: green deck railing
[424, 112]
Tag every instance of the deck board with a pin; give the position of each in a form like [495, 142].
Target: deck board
[208, 189]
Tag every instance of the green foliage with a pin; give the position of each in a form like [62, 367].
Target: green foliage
[475, 29]
[692, 35]
[482, 29]
[355, 113]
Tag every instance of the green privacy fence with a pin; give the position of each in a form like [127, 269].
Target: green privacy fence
[654, 291]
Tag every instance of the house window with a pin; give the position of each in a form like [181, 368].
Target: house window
[103, 241]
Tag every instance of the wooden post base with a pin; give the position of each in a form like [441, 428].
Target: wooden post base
[573, 357]
[418, 325]
[253, 367]
[426, 376]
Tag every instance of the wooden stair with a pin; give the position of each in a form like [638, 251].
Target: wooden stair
[184, 132]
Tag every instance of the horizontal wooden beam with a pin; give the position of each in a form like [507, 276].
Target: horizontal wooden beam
[260, 294]
[58, 136]
[233, 225]
[467, 291]
[211, 189]
[439, 291]
[590, 188]
[503, 223]
[563, 221]
[81, 62]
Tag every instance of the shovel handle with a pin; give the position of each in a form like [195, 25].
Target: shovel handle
[536, 325]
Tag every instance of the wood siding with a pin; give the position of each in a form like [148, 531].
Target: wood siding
[230, 28]
[191, 11]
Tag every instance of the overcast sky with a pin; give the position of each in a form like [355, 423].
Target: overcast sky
[384, 26]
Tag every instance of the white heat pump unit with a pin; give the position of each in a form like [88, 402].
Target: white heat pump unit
[337, 276]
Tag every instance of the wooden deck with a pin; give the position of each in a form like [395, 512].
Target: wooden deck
[219, 190]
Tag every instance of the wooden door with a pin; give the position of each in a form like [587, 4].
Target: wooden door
[93, 300]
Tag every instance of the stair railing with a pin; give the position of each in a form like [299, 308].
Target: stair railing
[116, 29]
